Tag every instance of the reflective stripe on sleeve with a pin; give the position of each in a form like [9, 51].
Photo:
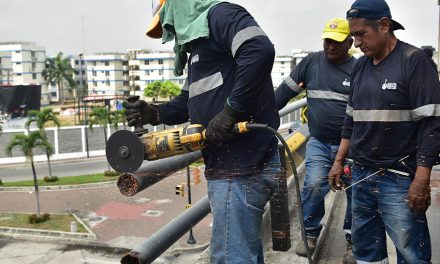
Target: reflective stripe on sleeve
[327, 95]
[425, 111]
[292, 85]
[206, 84]
[185, 86]
[349, 111]
[243, 35]
[382, 115]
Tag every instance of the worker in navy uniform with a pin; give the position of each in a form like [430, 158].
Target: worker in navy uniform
[325, 75]
[392, 131]
[229, 80]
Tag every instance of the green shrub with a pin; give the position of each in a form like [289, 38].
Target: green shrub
[111, 173]
[1, 183]
[50, 179]
[33, 219]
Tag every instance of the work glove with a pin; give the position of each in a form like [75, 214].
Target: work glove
[220, 127]
[136, 109]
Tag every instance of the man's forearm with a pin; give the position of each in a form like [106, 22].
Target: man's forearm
[343, 150]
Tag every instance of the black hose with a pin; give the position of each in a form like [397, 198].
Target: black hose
[256, 126]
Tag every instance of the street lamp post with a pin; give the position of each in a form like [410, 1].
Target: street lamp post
[85, 93]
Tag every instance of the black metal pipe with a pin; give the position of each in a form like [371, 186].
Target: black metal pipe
[154, 171]
[160, 241]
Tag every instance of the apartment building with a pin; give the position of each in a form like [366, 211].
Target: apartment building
[107, 74]
[149, 66]
[282, 66]
[22, 63]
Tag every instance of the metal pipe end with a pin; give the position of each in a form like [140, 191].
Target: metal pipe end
[130, 258]
[128, 184]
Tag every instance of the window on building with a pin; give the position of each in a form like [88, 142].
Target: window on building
[18, 74]
[282, 74]
[107, 73]
[34, 65]
[125, 83]
[160, 72]
[18, 62]
[125, 63]
[94, 73]
[107, 63]
[33, 54]
[34, 76]
[107, 83]
[76, 62]
[146, 62]
[95, 83]
[94, 63]
[160, 61]
[17, 51]
[282, 62]
[147, 72]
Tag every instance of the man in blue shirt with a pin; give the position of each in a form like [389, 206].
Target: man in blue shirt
[229, 66]
[326, 77]
[392, 131]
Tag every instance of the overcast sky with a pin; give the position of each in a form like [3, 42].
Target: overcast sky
[118, 25]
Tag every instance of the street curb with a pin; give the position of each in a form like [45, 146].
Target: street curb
[49, 235]
[60, 187]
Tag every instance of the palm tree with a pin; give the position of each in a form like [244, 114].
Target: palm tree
[101, 116]
[57, 71]
[27, 143]
[41, 118]
[119, 117]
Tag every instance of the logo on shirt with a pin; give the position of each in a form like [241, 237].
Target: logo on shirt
[346, 82]
[389, 86]
[195, 59]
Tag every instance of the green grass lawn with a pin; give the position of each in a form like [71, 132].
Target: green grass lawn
[92, 178]
[57, 222]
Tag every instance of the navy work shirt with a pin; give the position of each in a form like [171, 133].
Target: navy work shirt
[233, 64]
[328, 86]
[394, 110]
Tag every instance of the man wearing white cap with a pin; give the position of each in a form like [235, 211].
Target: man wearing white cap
[325, 75]
[229, 66]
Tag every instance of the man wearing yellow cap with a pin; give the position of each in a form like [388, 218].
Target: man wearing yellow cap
[229, 66]
[326, 77]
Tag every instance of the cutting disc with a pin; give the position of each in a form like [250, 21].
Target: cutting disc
[125, 151]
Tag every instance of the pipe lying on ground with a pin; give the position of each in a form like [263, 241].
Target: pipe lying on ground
[152, 172]
[160, 241]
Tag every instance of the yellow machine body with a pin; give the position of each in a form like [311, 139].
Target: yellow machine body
[172, 142]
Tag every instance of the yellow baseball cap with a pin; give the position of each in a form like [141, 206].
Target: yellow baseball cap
[336, 29]
[155, 28]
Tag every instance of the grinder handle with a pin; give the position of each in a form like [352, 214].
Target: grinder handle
[138, 126]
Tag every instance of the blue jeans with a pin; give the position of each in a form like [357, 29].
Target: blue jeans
[237, 206]
[319, 160]
[380, 205]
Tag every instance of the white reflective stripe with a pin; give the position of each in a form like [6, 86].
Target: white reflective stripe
[349, 111]
[383, 261]
[382, 115]
[185, 86]
[243, 35]
[327, 95]
[206, 84]
[425, 111]
[292, 85]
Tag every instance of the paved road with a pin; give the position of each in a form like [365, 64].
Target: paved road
[18, 172]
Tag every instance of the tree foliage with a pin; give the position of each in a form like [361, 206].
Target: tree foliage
[27, 143]
[41, 118]
[57, 71]
[163, 89]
